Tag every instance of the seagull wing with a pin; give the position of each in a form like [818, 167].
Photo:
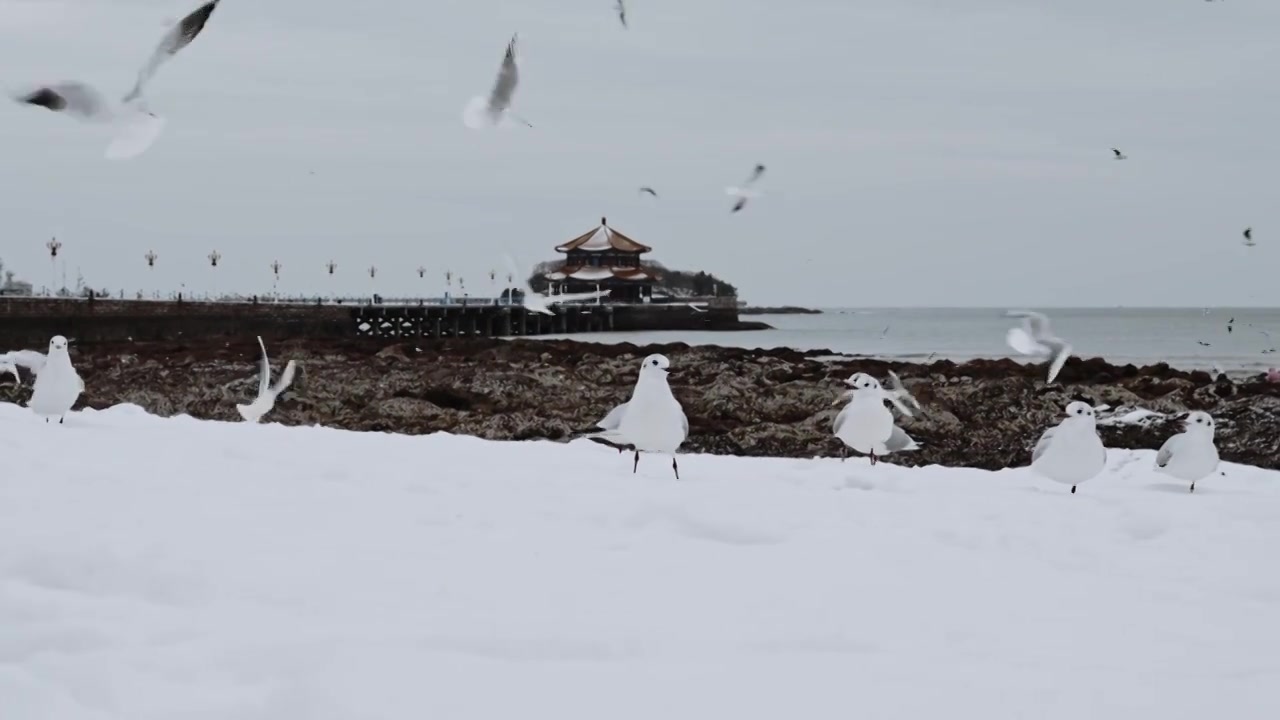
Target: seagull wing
[899, 390]
[1043, 443]
[684, 422]
[30, 359]
[1061, 351]
[899, 441]
[1167, 450]
[755, 175]
[517, 275]
[508, 77]
[178, 37]
[264, 371]
[575, 297]
[72, 98]
[840, 418]
[1022, 342]
[286, 378]
[613, 419]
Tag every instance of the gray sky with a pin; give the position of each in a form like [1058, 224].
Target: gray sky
[920, 152]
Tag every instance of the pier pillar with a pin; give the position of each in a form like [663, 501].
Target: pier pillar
[435, 328]
[456, 324]
[524, 322]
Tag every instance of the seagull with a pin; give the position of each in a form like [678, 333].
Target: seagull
[85, 102]
[745, 192]
[1033, 338]
[1119, 155]
[622, 12]
[267, 392]
[652, 421]
[1267, 335]
[649, 190]
[1248, 237]
[1203, 343]
[899, 440]
[611, 422]
[57, 385]
[505, 87]
[1191, 454]
[1071, 451]
[539, 303]
[865, 424]
[1229, 325]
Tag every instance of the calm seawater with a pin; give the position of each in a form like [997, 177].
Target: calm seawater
[1121, 335]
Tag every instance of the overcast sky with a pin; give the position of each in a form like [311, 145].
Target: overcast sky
[920, 152]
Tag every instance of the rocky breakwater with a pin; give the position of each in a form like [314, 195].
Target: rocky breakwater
[984, 413]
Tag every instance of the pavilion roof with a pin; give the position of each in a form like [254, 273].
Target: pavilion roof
[603, 238]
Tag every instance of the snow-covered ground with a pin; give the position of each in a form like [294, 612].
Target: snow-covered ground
[183, 570]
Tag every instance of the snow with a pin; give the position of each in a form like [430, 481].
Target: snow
[173, 568]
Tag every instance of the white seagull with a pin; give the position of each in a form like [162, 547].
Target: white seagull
[140, 127]
[652, 421]
[267, 392]
[1071, 451]
[539, 303]
[1191, 454]
[499, 100]
[745, 192]
[57, 385]
[865, 424]
[1034, 338]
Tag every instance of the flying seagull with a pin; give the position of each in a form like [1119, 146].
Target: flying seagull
[505, 87]
[267, 393]
[1119, 155]
[622, 12]
[1248, 237]
[649, 190]
[1035, 338]
[745, 192]
[87, 103]
[536, 301]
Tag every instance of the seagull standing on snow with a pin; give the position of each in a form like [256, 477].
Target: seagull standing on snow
[267, 392]
[865, 424]
[57, 385]
[1119, 155]
[1034, 338]
[745, 192]
[652, 421]
[142, 126]
[1071, 451]
[1191, 454]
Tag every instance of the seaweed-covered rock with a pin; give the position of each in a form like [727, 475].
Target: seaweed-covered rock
[779, 402]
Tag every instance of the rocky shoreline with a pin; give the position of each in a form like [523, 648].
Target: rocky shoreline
[778, 310]
[776, 402]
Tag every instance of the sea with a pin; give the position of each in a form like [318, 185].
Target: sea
[1236, 340]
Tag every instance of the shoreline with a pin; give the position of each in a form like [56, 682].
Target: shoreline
[775, 402]
[777, 310]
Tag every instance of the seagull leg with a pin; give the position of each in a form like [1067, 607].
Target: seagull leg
[635, 464]
[1073, 489]
[62, 419]
[675, 467]
[844, 452]
[873, 457]
[1193, 487]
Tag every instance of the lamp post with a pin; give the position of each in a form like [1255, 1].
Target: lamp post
[151, 264]
[331, 266]
[448, 286]
[275, 286]
[493, 284]
[373, 272]
[53, 246]
[214, 257]
[511, 289]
